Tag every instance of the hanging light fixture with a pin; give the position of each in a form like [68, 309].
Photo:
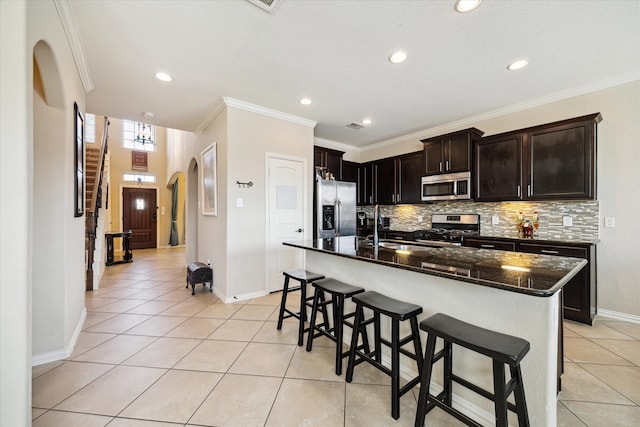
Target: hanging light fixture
[144, 133]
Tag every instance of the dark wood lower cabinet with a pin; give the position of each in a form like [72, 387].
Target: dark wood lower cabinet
[580, 294]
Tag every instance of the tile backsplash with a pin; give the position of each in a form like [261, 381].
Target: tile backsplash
[585, 216]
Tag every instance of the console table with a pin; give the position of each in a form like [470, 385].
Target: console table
[126, 246]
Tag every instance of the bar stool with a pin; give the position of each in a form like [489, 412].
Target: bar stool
[338, 291]
[398, 311]
[503, 349]
[304, 277]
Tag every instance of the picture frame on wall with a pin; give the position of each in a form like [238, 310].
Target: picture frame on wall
[209, 181]
[78, 161]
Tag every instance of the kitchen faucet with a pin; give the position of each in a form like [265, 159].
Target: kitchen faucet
[376, 213]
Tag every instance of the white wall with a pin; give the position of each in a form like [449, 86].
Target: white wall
[618, 160]
[235, 239]
[251, 137]
[58, 239]
[15, 216]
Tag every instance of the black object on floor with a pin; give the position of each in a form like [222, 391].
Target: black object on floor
[503, 349]
[398, 311]
[198, 272]
[338, 291]
[304, 277]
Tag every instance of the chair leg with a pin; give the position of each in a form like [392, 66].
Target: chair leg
[303, 312]
[417, 346]
[354, 342]
[425, 382]
[448, 372]
[312, 322]
[521, 403]
[338, 309]
[395, 369]
[499, 392]
[283, 302]
[377, 342]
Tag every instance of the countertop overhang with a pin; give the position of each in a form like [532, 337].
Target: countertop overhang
[531, 274]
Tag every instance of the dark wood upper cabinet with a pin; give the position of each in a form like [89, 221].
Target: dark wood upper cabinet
[555, 161]
[561, 160]
[384, 177]
[365, 184]
[409, 172]
[449, 153]
[498, 169]
[349, 171]
[329, 159]
[397, 179]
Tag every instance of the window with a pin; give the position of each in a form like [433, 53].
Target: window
[89, 127]
[139, 177]
[134, 130]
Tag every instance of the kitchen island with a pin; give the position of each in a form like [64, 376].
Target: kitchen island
[509, 292]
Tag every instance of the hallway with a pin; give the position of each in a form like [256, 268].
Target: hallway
[153, 355]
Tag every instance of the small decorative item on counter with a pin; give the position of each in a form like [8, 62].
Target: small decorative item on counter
[535, 219]
[527, 229]
[520, 224]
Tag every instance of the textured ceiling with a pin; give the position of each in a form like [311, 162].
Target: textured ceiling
[335, 52]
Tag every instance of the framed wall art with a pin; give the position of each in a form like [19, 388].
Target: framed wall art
[209, 181]
[78, 149]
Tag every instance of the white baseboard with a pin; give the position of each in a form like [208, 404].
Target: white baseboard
[615, 315]
[243, 297]
[63, 353]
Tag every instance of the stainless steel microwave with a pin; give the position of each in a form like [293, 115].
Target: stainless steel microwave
[448, 186]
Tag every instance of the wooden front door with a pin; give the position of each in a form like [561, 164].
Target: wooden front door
[139, 214]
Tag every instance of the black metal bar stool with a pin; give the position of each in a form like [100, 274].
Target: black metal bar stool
[304, 277]
[398, 311]
[338, 291]
[503, 349]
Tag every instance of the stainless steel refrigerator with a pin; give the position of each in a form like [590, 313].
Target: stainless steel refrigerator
[334, 209]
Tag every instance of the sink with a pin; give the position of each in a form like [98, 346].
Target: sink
[403, 247]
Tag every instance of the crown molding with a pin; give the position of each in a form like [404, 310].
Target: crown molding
[219, 108]
[68, 21]
[327, 143]
[473, 120]
[253, 108]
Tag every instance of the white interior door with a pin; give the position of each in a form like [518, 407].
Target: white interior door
[286, 213]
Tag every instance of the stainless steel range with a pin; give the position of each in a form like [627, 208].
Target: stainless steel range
[449, 230]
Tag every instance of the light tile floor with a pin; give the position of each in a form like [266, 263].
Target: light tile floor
[152, 355]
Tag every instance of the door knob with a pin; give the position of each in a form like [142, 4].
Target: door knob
[299, 230]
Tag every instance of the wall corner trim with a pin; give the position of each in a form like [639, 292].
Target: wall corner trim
[219, 108]
[69, 24]
[242, 105]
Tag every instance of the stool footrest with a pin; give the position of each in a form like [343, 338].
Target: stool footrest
[437, 401]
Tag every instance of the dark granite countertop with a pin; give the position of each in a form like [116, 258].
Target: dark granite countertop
[531, 274]
[543, 240]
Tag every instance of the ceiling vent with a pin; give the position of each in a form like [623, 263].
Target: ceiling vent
[268, 5]
[355, 126]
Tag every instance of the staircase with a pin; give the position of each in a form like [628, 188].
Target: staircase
[91, 166]
[96, 176]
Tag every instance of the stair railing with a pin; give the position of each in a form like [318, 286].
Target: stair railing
[93, 208]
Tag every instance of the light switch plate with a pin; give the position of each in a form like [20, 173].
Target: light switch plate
[495, 220]
[420, 218]
[567, 221]
[609, 221]
[239, 202]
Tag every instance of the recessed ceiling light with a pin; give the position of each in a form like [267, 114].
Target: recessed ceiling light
[164, 77]
[305, 101]
[398, 57]
[147, 115]
[366, 121]
[517, 65]
[464, 6]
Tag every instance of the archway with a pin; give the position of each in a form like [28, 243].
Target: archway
[177, 185]
[57, 304]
